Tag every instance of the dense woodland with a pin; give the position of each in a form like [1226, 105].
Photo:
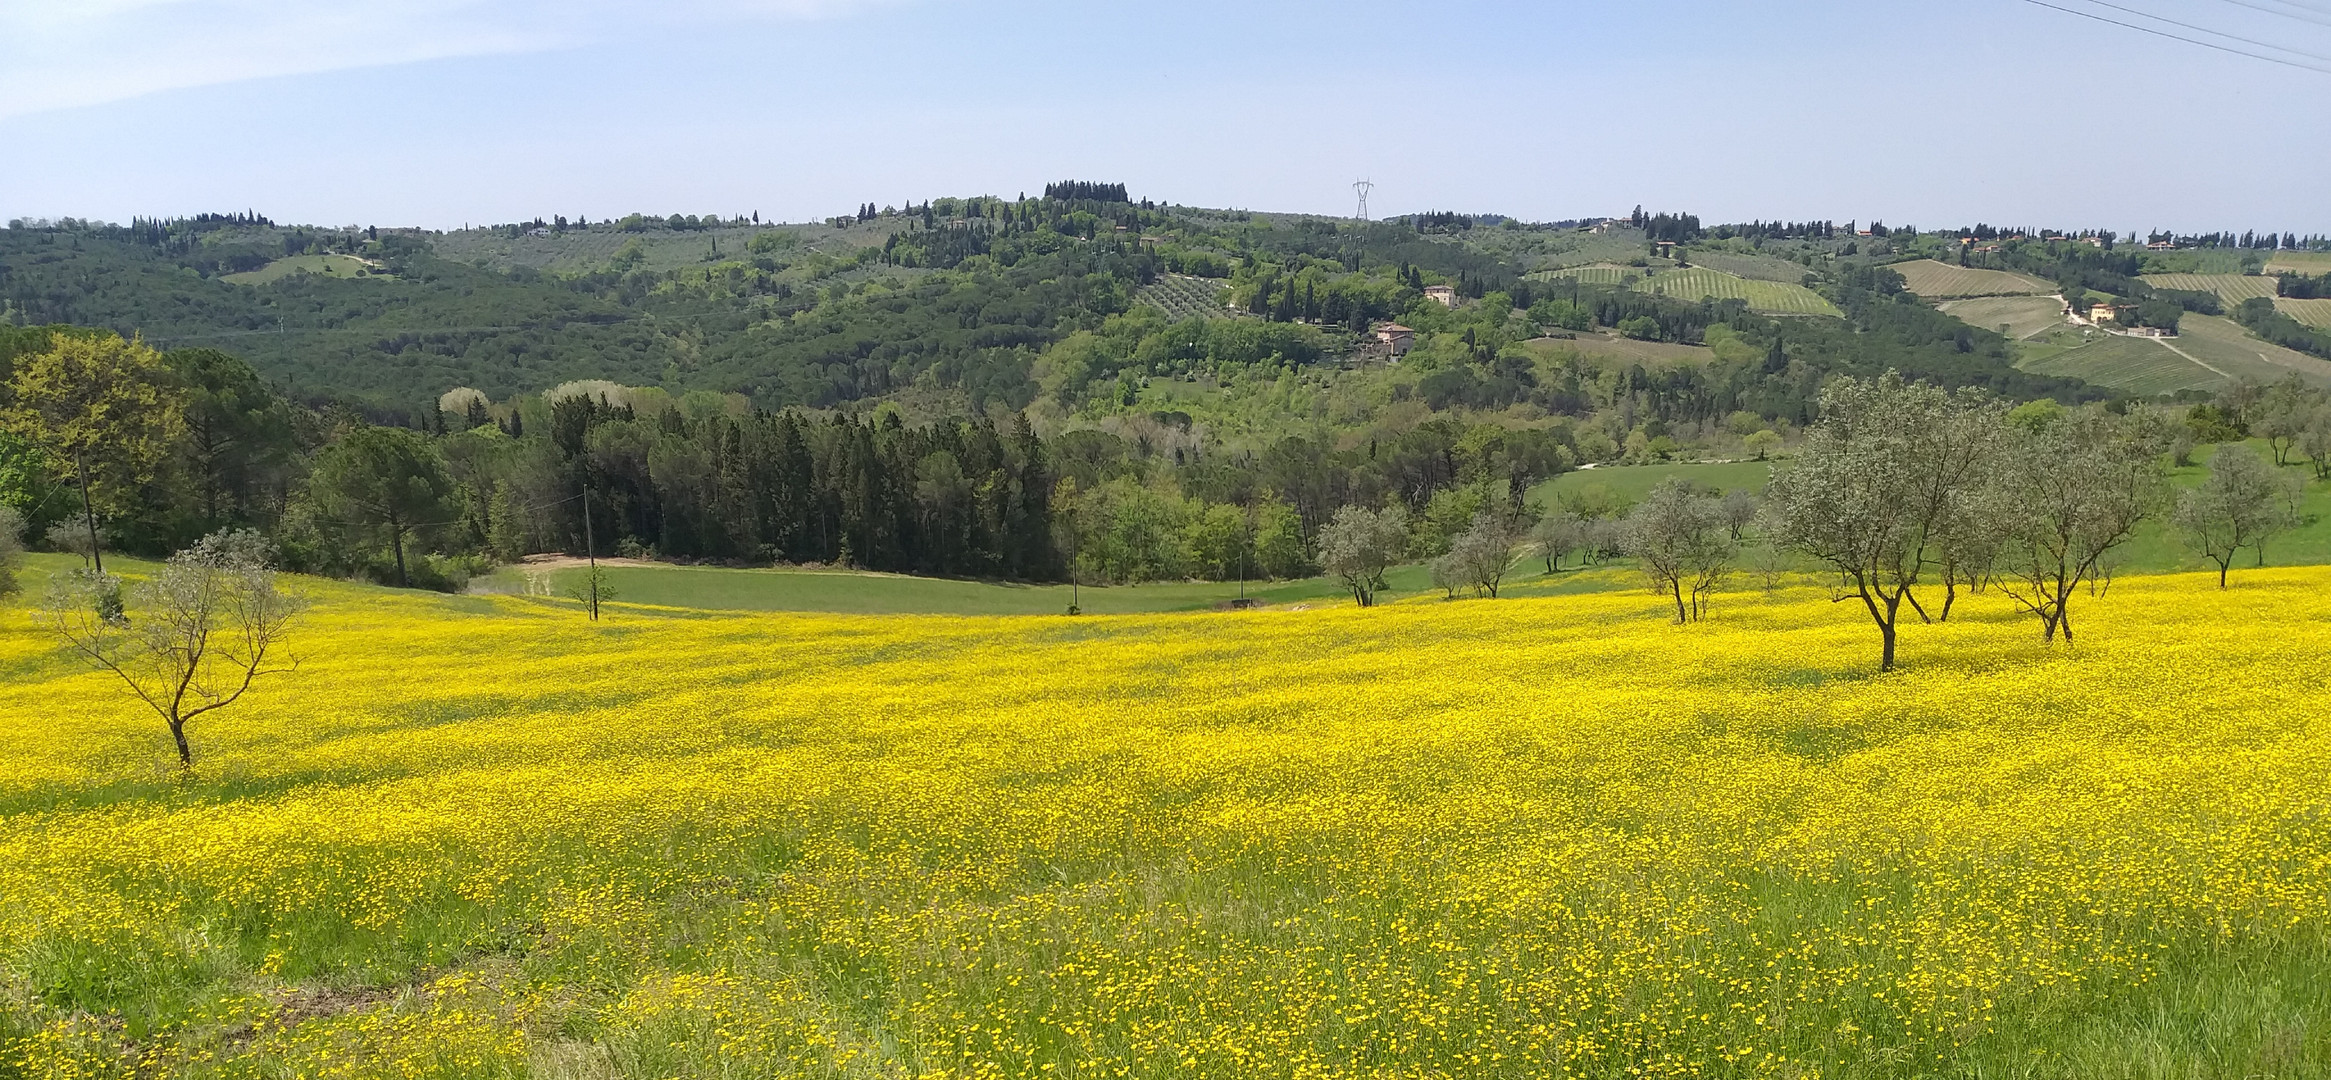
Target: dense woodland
[966, 387]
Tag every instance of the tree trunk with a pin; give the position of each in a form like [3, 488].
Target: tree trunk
[1886, 657]
[1681, 617]
[2222, 573]
[397, 543]
[1950, 596]
[89, 513]
[1915, 606]
[185, 752]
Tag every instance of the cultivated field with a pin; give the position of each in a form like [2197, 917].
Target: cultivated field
[1699, 282]
[1181, 296]
[2231, 288]
[1759, 267]
[2013, 316]
[1942, 281]
[479, 837]
[2209, 352]
[1598, 275]
[2300, 262]
[338, 266]
[2310, 312]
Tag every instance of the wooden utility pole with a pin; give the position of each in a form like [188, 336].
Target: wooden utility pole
[590, 552]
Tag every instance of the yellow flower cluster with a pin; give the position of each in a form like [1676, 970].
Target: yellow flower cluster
[481, 837]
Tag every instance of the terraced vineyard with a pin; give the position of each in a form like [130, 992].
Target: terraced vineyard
[2231, 288]
[2310, 312]
[1700, 282]
[1595, 275]
[1941, 281]
[1181, 296]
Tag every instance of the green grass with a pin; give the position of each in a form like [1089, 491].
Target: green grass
[337, 266]
[2223, 343]
[1942, 281]
[2137, 365]
[2014, 316]
[1700, 282]
[1632, 482]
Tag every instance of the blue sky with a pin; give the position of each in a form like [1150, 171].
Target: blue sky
[445, 112]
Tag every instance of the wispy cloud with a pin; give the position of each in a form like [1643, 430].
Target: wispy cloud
[59, 54]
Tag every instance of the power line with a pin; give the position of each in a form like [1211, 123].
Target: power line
[2317, 19]
[2181, 37]
[2213, 33]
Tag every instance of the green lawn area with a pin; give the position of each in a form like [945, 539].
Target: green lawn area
[2156, 549]
[1632, 482]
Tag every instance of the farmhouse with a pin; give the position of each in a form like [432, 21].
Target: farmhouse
[1442, 295]
[2104, 313]
[1397, 338]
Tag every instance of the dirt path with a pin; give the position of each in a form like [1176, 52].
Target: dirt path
[2164, 342]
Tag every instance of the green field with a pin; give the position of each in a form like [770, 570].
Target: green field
[1941, 281]
[2311, 312]
[337, 266]
[1181, 296]
[2137, 365]
[2231, 288]
[2209, 352]
[1700, 282]
[2012, 316]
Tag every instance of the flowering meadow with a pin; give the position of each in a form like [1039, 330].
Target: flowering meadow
[481, 837]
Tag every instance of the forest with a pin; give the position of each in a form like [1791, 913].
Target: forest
[970, 386]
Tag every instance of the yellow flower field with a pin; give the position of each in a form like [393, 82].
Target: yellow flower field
[481, 837]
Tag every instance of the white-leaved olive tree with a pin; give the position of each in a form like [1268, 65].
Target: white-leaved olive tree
[2074, 484]
[2242, 503]
[1359, 544]
[1682, 538]
[1876, 481]
[196, 636]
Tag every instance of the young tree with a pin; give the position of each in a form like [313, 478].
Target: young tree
[2242, 503]
[2283, 413]
[1740, 511]
[1874, 479]
[1680, 537]
[2315, 441]
[2075, 487]
[104, 408]
[1359, 545]
[1762, 443]
[207, 627]
[1557, 534]
[386, 477]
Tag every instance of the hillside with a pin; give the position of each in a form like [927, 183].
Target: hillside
[1937, 281]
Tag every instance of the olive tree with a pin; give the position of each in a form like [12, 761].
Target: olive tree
[1682, 539]
[1359, 544]
[2075, 486]
[1558, 533]
[2242, 503]
[1479, 556]
[205, 628]
[1876, 479]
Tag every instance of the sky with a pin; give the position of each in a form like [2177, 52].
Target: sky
[442, 113]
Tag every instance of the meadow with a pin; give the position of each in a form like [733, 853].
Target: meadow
[480, 837]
